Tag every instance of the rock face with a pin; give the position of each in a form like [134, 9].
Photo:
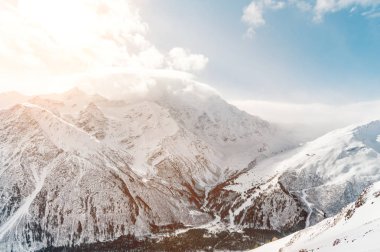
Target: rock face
[93, 121]
[76, 168]
[269, 207]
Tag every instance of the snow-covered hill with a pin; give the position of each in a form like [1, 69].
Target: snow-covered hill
[355, 228]
[78, 168]
[319, 178]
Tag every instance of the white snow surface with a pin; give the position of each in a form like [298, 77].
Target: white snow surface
[331, 171]
[309, 207]
[355, 228]
[327, 173]
[171, 121]
[262, 172]
[39, 179]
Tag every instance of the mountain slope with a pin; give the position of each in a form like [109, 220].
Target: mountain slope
[355, 228]
[333, 170]
[79, 168]
[319, 178]
[63, 186]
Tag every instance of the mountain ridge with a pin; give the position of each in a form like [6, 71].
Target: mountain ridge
[159, 165]
[79, 169]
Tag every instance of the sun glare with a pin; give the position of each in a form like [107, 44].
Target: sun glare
[68, 21]
[54, 39]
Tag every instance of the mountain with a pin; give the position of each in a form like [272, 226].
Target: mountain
[303, 186]
[333, 170]
[9, 98]
[355, 228]
[78, 168]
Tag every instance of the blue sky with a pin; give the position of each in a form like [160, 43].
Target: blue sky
[291, 58]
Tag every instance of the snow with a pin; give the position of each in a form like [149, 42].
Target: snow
[309, 207]
[39, 179]
[204, 140]
[231, 138]
[198, 140]
[262, 172]
[69, 138]
[325, 174]
[334, 168]
[195, 213]
[340, 233]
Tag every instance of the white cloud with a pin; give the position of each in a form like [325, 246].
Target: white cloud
[145, 84]
[54, 38]
[312, 119]
[253, 14]
[374, 15]
[181, 59]
[51, 36]
[151, 58]
[323, 7]
[302, 5]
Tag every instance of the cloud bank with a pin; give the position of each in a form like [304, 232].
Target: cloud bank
[182, 59]
[135, 85]
[312, 119]
[53, 38]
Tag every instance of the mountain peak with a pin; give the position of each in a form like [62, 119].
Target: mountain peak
[93, 109]
[74, 92]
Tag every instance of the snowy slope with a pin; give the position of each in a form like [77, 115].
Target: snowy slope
[319, 178]
[237, 135]
[78, 168]
[355, 228]
[256, 199]
[200, 119]
[332, 171]
[64, 186]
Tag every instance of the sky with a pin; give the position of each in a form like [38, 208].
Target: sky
[296, 54]
[288, 61]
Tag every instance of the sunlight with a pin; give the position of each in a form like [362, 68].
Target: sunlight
[71, 22]
[54, 40]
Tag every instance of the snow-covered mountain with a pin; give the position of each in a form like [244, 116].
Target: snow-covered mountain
[355, 228]
[10, 98]
[78, 168]
[333, 170]
[305, 185]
